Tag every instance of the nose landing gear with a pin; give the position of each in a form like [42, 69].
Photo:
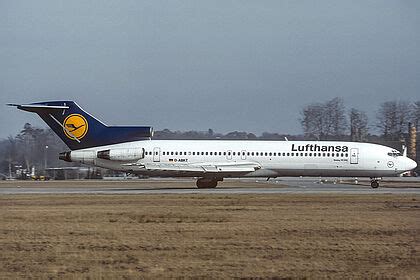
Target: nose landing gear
[374, 183]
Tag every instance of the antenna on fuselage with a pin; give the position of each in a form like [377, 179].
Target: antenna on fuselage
[404, 147]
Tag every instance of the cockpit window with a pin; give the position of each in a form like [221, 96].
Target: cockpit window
[394, 154]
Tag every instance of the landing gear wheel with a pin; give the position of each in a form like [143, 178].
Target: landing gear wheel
[374, 184]
[206, 183]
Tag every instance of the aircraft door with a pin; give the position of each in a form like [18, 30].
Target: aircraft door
[156, 154]
[229, 155]
[354, 156]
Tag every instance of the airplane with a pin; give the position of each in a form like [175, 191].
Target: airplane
[131, 149]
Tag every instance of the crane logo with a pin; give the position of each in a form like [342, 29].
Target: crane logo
[75, 126]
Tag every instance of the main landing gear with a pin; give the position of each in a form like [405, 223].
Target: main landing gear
[374, 183]
[207, 183]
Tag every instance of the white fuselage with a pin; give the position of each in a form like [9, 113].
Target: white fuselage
[274, 158]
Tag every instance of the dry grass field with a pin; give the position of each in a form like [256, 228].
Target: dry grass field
[210, 236]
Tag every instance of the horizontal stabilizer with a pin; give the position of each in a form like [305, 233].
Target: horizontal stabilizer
[36, 108]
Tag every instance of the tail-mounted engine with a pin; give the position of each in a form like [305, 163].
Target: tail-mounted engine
[129, 154]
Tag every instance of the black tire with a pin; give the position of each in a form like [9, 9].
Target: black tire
[206, 184]
[374, 184]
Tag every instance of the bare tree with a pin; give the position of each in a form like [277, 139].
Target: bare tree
[415, 114]
[358, 125]
[335, 117]
[312, 121]
[324, 120]
[393, 118]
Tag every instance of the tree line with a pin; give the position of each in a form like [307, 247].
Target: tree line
[330, 120]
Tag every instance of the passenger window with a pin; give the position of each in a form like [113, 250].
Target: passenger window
[224, 153]
[288, 154]
[211, 153]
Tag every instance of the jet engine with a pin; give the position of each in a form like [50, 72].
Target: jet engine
[83, 156]
[128, 154]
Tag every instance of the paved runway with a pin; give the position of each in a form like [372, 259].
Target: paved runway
[183, 186]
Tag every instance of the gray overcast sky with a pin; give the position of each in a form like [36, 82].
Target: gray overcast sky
[226, 65]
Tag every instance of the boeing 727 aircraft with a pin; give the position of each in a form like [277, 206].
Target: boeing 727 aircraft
[131, 149]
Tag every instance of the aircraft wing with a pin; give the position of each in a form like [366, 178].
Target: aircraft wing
[202, 168]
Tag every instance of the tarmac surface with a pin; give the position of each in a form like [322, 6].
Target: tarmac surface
[230, 186]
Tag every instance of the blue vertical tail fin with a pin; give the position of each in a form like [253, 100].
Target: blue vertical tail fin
[78, 129]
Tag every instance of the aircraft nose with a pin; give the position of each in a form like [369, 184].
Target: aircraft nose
[411, 164]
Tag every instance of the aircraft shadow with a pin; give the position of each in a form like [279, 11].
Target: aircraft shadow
[150, 189]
